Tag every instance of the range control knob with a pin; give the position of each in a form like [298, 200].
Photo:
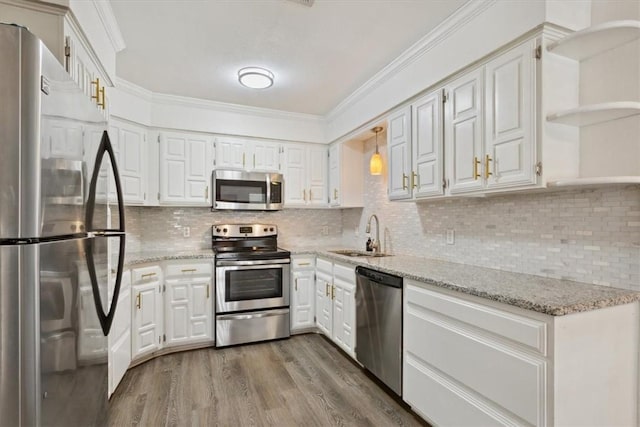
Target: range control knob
[265, 229]
[224, 230]
[217, 230]
[271, 229]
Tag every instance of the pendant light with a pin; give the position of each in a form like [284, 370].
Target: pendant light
[375, 165]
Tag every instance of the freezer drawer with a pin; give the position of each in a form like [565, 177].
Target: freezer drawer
[240, 328]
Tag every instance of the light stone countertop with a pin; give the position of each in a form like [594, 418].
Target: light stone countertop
[541, 294]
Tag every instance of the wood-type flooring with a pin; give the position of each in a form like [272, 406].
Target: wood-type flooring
[301, 381]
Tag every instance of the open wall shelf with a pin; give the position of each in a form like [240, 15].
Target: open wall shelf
[596, 113]
[599, 38]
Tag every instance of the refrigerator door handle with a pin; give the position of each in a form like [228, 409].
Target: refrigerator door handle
[105, 146]
[106, 319]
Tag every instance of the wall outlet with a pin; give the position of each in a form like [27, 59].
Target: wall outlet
[325, 230]
[451, 237]
[186, 231]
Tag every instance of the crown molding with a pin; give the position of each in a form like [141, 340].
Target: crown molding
[133, 89]
[444, 30]
[183, 101]
[105, 12]
[39, 6]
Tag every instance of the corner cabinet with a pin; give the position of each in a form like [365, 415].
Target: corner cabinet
[147, 306]
[399, 153]
[186, 163]
[130, 146]
[302, 291]
[305, 175]
[346, 179]
[336, 303]
[496, 364]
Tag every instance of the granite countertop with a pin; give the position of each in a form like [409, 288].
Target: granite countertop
[136, 258]
[541, 294]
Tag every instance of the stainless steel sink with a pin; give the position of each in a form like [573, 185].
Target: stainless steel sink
[357, 253]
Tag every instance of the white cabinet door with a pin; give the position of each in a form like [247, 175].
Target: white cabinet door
[147, 317]
[344, 311]
[302, 302]
[295, 175]
[324, 304]
[510, 145]
[185, 169]
[399, 152]
[230, 154]
[177, 319]
[120, 335]
[427, 143]
[334, 175]
[200, 309]
[265, 156]
[317, 175]
[463, 133]
[131, 143]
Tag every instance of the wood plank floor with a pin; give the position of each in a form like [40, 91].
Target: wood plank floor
[302, 381]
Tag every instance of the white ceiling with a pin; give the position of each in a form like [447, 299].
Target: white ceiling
[319, 54]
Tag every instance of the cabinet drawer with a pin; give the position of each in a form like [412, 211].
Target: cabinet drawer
[347, 274]
[303, 262]
[146, 274]
[523, 330]
[177, 271]
[324, 266]
[510, 378]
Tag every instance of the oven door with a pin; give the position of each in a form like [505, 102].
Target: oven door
[252, 285]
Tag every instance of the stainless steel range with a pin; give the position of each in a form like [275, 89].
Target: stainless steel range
[252, 284]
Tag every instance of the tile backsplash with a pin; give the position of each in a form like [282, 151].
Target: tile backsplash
[588, 235]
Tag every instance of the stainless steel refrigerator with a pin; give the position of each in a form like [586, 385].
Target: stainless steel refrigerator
[61, 241]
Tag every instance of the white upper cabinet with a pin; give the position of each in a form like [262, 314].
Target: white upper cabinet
[463, 132]
[305, 175]
[346, 174]
[510, 142]
[427, 154]
[130, 143]
[399, 151]
[259, 156]
[186, 162]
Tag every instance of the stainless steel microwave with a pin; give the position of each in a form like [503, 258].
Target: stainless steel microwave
[254, 191]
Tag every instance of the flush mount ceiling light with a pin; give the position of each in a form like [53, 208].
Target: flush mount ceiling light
[375, 165]
[255, 77]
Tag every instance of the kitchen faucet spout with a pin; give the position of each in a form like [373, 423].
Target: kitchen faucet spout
[376, 242]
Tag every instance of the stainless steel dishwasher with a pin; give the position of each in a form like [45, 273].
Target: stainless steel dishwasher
[379, 325]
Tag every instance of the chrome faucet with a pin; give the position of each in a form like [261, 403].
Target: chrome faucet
[376, 242]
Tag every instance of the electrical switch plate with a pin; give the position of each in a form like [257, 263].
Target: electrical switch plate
[450, 237]
[186, 231]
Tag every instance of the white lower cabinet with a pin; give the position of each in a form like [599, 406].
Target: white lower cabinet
[302, 291]
[147, 310]
[472, 362]
[188, 303]
[120, 335]
[335, 303]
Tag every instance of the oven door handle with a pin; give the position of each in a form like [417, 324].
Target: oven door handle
[223, 263]
[249, 316]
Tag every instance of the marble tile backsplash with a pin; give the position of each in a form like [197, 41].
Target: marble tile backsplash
[587, 235]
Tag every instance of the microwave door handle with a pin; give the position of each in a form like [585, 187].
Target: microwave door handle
[105, 319]
[104, 147]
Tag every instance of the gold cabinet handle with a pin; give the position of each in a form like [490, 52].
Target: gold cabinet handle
[97, 92]
[148, 275]
[333, 291]
[138, 301]
[304, 263]
[487, 172]
[188, 270]
[413, 179]
[404, 178]
[207, 291]
[476, 174]
[296, 284]
[335, 194]
[304, 194]
[206, 193]
[103, 103]
[326, 289]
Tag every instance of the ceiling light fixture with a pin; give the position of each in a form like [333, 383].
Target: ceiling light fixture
[255, 77]
[375, 165]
